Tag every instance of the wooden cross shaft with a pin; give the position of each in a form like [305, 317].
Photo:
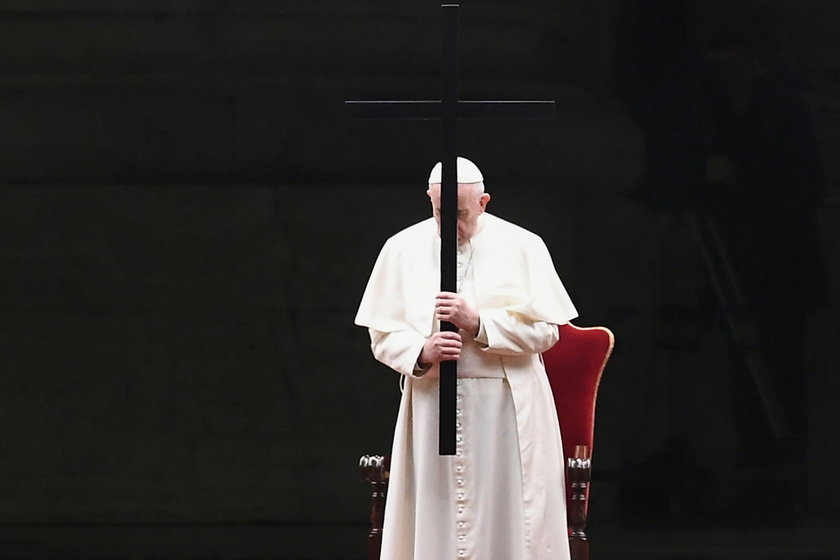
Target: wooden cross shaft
[449, 110]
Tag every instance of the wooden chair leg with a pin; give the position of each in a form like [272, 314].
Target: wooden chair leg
[374, 469]
[579, 471]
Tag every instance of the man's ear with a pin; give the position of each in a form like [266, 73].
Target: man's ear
[484, 199]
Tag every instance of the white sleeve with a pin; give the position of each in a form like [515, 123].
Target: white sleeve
[398, 350]
[508, 333]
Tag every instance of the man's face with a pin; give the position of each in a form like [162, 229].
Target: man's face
[471, 204]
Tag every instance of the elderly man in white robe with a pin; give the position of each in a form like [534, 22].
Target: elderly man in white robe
[501, 496]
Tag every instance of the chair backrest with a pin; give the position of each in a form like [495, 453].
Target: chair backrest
[574, 366]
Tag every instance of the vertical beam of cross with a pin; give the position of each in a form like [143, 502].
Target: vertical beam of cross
[449, 218]
[449, 110]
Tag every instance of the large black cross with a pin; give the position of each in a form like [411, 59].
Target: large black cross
[449, 109]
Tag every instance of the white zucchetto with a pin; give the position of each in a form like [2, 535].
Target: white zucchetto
[468, 172]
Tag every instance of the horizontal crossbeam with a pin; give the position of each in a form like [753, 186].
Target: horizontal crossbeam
[506, 109]
[428, 110]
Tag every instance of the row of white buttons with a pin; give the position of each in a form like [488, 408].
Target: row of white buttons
[459, 479]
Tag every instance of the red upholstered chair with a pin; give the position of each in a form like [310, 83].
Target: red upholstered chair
[574, 366]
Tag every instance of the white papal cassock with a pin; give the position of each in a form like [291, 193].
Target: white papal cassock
[501, 496]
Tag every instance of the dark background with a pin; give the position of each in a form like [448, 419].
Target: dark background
[188, 219]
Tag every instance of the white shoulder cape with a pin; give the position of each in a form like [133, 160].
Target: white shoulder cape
[513, 273]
